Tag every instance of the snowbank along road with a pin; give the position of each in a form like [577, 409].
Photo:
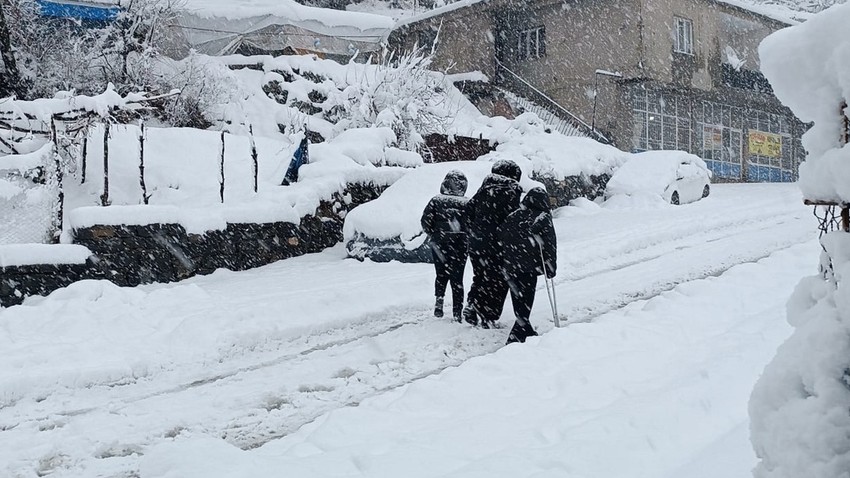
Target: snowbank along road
[95, 374]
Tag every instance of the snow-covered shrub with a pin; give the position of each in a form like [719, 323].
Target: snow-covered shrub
[400, 93]
[800, 407]
[205, 87]
[60, 58]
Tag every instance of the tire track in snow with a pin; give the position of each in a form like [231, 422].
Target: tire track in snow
[393, 319]
[252, 429]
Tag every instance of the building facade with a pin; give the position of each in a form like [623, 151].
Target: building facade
[648, 74]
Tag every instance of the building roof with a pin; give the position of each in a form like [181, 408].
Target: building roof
[774, 12]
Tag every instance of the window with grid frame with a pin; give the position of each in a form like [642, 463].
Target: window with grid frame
[719, 137]
[532, 43]
[660, 121]
[684, 36]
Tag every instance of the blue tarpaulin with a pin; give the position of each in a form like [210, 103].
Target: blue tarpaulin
[78, 10]
[301, 157]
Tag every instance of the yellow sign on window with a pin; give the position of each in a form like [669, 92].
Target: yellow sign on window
[765, 144]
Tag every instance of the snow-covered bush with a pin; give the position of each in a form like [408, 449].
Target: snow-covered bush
[800, 407]
[56, 55]
[400, 93]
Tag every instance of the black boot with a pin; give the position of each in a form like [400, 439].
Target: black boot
[521, 331]
[438, 307]
[470, 315]
[457, 312]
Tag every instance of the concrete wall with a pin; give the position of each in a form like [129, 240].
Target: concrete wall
[466, 41]
[715, 26]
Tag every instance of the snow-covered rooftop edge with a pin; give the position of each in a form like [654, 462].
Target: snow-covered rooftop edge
[288, 9]
[774, 12]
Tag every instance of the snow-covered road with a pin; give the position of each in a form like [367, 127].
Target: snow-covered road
[95, 376]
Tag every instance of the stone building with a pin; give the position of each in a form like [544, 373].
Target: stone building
[642, 74]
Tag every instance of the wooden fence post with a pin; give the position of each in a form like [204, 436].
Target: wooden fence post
[104, 198]
[57, 163]
[145, 196]
[85, 154]
[254, 155]
[221, 169]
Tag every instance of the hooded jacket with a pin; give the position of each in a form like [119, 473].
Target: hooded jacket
[498, 196]
[444, 218]
[524, 233]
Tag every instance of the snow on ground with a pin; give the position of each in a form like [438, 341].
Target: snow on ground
[638, 393]
[175, 379]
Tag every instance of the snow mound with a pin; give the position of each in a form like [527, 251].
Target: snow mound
[799, 407]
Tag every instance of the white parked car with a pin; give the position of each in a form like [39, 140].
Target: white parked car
[676, 176]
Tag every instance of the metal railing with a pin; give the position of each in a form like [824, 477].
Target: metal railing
[552, 121]
[508, 79]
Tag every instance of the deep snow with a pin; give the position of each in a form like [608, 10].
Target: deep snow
[173, 379]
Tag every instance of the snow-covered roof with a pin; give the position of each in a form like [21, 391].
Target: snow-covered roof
[436, 12]
[288, 9]
[217, 27]
[774, 11]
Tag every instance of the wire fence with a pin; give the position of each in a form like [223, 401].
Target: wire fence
[27, 211]
[32, 185]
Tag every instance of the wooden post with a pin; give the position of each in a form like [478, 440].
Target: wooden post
[142, 164]
[85, 154]
[104, 198]
[57, 163]
[254, 156]
[221, 181]
[845, 217]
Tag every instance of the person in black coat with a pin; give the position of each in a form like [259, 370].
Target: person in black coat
[445, 222]
[530, 249]
[497, 197]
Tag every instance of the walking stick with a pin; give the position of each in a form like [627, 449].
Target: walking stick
[553, 300]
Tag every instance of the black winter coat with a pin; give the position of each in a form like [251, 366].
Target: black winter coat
[497, 197]
[444, 218]
[524, 232]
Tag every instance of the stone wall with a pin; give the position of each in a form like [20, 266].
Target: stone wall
[19, 282]
[134, 255]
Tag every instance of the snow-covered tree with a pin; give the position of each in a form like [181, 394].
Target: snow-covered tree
[800, 407]
[402, 94]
